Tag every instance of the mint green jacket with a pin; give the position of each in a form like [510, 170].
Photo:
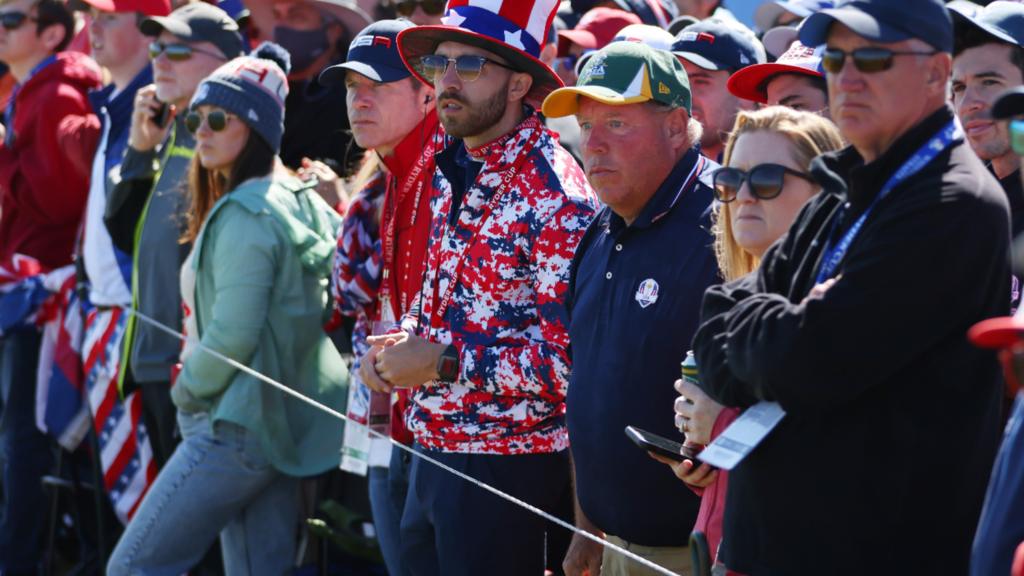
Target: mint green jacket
[262, 262]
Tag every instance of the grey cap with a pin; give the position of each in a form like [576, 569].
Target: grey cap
[199, 22]
[1003, 21]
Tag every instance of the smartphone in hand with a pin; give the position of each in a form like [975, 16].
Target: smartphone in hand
[162, 115]
[660, 445]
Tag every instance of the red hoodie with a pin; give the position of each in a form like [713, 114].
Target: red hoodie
[44, 174]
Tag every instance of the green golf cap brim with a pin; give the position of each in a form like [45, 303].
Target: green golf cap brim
[566, 101]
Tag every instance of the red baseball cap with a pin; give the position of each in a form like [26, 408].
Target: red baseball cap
[596, 29]
[147, 7]
[1001, 332]
[750, 83]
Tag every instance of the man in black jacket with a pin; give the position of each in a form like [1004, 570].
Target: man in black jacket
[856, 324]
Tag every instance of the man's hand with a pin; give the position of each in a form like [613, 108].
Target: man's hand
[405, 360]
[329, 185]
[144, 134]
[819, 290]
[368, 371]
[688, 471]
[584, 555]
[696, 412]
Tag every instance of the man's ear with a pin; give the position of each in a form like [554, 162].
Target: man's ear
[52, 36]
[940, 71]
[519, 86]
[676, 123]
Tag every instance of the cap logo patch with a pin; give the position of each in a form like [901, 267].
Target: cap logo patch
[662, 89]
[594, 70]
[371, 40]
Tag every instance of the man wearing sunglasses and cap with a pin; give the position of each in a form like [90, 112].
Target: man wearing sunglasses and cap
[378, 268]
[146, 210]
[637, 280]
[485, 349]
[855, 324]
[45, 154]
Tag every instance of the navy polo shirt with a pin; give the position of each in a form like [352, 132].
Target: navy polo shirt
[635, 304]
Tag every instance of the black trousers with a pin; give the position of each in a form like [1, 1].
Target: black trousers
[455, 528]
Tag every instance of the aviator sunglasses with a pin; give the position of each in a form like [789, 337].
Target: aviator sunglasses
[869, 59]
[176, 52]
[217, 120]
[467, 67]
[407, 7]
[13, 20]
[765, 181]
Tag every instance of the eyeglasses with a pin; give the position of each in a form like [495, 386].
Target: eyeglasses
[13, 20]
[177, 52]
[217, 120]
[431, 7]
[869, 59]
[765, 181]
[467, 67]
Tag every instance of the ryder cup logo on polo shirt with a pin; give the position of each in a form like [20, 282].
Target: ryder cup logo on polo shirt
[647, 293]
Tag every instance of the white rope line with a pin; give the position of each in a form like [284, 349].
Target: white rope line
[266, 379]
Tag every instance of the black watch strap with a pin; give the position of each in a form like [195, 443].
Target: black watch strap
[448, 365]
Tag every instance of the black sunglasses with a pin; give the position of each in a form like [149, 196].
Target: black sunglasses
[431, 7]
[217, 120]
[13, 20]
[467, 67]
[765, 181]
[177, 52]
[869, 59]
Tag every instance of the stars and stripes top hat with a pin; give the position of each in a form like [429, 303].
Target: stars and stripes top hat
[512, 29]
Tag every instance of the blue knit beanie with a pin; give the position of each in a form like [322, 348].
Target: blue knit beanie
[252, 87]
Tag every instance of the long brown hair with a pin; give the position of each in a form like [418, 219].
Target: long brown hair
[809, 135]
[206, 186]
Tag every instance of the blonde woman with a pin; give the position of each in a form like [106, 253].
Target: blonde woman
[763, 184]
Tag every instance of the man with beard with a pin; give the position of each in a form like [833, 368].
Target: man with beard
[485, 348]
[988, 59]
[711, 51]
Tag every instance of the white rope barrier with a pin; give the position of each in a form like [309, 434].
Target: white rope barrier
[526, 505]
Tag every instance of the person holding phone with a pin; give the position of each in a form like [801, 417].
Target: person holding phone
[146, 210]
[254, 288]
[760, 191]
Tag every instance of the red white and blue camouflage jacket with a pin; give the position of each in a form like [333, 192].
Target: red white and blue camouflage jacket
[507, 313]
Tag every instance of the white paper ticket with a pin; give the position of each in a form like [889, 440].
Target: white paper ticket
[743, 435]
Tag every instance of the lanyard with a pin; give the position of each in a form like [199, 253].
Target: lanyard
[437, 313]
[835, 252]
[393, 200]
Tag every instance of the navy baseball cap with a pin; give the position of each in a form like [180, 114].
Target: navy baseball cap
[716, 45]
[373, 53]
[1002, 20]
[884, 21]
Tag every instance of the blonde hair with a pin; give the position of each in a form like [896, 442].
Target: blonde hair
[809, 134]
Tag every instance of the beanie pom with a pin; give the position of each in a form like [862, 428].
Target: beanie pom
[275, 53]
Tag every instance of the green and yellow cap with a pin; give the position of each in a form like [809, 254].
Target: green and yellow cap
[624, 73]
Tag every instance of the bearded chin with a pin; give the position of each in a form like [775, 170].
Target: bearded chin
[477, 117]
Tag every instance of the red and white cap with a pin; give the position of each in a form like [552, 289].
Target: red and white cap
[750, 83]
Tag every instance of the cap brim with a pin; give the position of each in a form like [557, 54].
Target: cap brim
[423, 40]
[997, 332]
[749, 83]
[1009, 104]
[352, 17]
[154, 25]
[585, 39]
[963, 21]
[777, 40]
[565, 101]
[333, 75]
[698, 60]
[814, 30]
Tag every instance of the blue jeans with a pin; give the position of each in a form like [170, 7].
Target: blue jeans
[27, 455]
[217, 481]
[388, 488]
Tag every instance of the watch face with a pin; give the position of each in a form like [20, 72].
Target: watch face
[448, 365]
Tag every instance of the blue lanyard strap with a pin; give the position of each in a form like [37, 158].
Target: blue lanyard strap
[835, 252]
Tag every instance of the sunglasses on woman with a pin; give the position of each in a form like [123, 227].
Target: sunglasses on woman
[217, 120]
[13, 20]
[869, 59]
[407, 7]
[765, 180]
[467, 67]
[177, 52]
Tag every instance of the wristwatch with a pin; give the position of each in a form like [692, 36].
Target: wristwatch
[448, 365]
